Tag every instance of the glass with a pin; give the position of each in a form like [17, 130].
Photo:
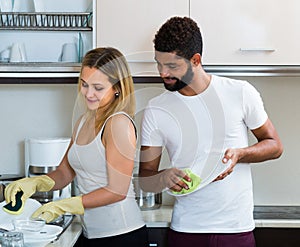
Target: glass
[12, 239]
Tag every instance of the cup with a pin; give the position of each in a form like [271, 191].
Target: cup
[39, 5]
[4, 55]
[6, 6]
[23, 6]
[17, 53]
[12, 239]
[69, 53]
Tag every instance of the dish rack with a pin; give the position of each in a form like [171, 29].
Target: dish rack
[46, 21]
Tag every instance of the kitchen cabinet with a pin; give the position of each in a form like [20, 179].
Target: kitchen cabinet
[264, 237]
[42, 35]
[248, 32]
[277, 237]
[131, 27]
[158, 236]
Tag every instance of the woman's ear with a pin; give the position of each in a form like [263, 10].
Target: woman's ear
[196, 59]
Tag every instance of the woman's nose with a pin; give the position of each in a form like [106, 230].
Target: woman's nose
[90, 92]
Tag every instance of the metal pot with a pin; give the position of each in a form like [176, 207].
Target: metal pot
[47, 196]
[146, 200]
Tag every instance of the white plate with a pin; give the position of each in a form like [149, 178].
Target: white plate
[38, 242]
[47, 232]
[30, 206]
[208, 174]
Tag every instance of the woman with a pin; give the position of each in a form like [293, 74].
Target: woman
[101, 156]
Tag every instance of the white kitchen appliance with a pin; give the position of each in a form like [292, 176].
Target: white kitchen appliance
[43, 156]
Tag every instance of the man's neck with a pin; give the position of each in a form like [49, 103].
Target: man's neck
[198, 85]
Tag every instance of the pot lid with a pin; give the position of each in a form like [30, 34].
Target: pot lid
[10, 177]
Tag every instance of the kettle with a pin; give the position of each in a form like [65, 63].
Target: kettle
[146, 200]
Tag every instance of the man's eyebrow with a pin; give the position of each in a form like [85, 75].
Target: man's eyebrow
[170, 63]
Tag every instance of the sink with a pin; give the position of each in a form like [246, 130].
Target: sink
[276, 212]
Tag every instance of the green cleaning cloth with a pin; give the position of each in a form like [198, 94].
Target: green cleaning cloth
[195, 181]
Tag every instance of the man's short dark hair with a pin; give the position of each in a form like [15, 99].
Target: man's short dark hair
[181, 35]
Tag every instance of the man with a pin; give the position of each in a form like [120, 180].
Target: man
[202, 119]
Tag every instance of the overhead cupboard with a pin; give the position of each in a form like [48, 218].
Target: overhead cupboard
[247, 36]
[131, 27]
[249, 32]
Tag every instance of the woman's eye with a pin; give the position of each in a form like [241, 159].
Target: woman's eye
[98, 88]
[84, 84]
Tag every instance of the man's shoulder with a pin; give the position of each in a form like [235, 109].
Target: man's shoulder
[229, 83]
[161, 98]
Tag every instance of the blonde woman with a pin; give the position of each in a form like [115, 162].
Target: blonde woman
[100, 156]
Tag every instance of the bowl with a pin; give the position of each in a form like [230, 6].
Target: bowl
[28, 225]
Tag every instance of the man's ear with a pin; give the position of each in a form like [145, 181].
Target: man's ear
[196, 59]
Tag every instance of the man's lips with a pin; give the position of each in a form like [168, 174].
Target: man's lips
[169, 80]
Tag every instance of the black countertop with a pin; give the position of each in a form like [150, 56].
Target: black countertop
[276, 212]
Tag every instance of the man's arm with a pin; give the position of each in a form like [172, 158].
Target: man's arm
[268, 147]
[151, 179]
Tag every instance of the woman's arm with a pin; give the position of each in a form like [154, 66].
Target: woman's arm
[64, 173]
[119, 140]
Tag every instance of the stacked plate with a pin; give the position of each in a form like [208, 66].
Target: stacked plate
[41, 238]
[38, 238]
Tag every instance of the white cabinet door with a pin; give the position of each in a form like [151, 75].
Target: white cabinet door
[249, 32]
[130, 26]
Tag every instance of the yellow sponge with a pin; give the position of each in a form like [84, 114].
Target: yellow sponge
[18, 208]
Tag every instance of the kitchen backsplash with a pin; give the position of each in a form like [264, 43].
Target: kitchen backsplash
[46, 111]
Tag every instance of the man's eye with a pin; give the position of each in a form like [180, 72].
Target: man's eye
[172, 66]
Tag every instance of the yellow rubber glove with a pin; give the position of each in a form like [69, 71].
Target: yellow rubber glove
[29, 186]
[52, 210]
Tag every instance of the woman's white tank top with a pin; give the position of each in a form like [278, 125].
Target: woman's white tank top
[89, 163]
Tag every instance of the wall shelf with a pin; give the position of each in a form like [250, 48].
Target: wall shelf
[62, 73]
[46, 21]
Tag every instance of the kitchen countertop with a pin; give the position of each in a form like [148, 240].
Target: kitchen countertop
[162, 217]
[69, 236]
[288, 217]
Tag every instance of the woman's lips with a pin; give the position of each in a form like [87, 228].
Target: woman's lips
[91, 101]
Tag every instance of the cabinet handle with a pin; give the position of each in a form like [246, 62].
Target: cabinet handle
[257, 49]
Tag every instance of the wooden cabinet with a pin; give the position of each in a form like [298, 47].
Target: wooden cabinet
[248, 32]
[131, 27]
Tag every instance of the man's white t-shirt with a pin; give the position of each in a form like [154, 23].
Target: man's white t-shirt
[195, 128]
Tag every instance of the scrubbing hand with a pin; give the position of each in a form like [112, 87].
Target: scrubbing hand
[18, 208]
[193, 184]
[52, 210]
[29, 186]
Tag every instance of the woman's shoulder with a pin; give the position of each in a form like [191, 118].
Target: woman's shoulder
[120, 121]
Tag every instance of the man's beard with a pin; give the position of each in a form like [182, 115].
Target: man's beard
[179, 84]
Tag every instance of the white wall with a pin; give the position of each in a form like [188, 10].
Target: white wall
[277, 182]
[32, 111]
[46, 111]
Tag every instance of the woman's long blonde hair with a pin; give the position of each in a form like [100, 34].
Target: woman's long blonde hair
[112, 63]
